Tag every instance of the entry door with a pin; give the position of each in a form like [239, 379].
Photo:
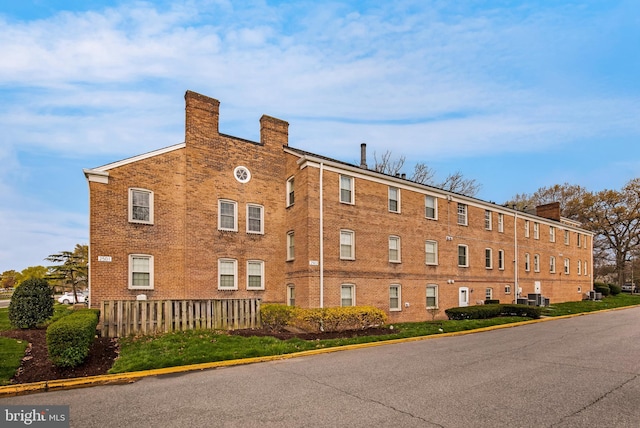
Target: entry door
[463, 296]
[537, 287]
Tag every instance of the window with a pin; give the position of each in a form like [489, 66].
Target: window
[290, 245]
[501, 259]
[507, 289]
[255, 275]
[431, 249]
[552, 234]
[579, 265]
[394, 199]
[578, 237]
[291, 295]
[488, 258]
[346, 245]
[487, 220]
[501, 223]
[526, 228]
[290, 191]
[227, 218]
[255, 219]
[488, 293]
[227, 274]
[536, 230]
[527, 262]
[140, 206]
[242, 174]
[347, 295]
[394, 249]
[430, 207]
[536, 262]
[462, 214]
[346, 189]
[585, 267]
[394, 298]
[432, 296]
[566, 266]
[463, 260]
[552, 264]
[566, 237]
[141, 271]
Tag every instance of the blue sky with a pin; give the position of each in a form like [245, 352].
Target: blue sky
[517, 95]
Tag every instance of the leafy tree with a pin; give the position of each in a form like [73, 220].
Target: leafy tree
[73, 270]
[570, 196]
[31, 303]
[615, 218]
[9, 279]
[423, 174]
[32, 272]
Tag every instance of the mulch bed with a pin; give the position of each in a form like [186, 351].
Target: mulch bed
[36, 366]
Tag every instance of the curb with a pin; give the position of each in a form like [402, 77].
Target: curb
[123, 378]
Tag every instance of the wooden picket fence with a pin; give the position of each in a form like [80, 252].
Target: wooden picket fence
[132, 317]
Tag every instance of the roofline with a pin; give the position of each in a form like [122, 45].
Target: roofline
[137, 158]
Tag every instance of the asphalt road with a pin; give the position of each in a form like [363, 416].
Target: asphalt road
[577, 372]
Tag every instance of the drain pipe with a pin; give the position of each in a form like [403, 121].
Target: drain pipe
[321, 238]
[516, 292]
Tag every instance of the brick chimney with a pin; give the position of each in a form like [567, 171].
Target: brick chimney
[201, 117]
[550, 211]
[274, 131]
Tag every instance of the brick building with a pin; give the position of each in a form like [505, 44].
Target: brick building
[222, 217]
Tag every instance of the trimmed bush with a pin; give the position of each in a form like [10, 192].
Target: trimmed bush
[615, 289]
[599, 287]
[339, 318]
[69, 339]
[275, 316]
[492, 311]
[31, 303]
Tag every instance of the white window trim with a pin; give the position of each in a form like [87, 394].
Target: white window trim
[435, 207]
[527, 262]
[261, 262]
[488, 220]
[465, 215]
[490, 252]
[507, 289]
[435, 287]
[526, 228]
[488, 293]
[435, 246]
[501, 260]
[579, 266]
[235, 215]
[291, 253]
[567, 267]
[151, 274]
[291, 183]
[536, 230]
[235, 274]
[353, 294]
[536, 262]
[261, 231]
[552, 234]
[353, 244]
[352, 188]
[398, 249]
[291, 289]
[399, 308]
[397, 211]
[567, 237]
[500, 223]
[137, 189]
[466, 255]
[552, 264]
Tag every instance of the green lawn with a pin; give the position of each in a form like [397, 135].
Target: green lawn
[201, 346]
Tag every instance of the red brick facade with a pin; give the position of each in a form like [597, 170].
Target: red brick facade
[217, 218]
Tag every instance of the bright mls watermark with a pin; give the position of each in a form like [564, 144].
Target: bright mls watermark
[34, 416]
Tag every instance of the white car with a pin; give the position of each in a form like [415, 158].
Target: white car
[68, 298]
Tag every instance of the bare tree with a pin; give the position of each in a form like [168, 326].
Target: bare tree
[457, 183]
[386, 164]
[423, 174]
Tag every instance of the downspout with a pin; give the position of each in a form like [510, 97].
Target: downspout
[321, 239]
[515, 258]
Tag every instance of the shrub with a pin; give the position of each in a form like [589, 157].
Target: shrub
[69, 339]
[339, 318]
[31, 303]
[599, 287]
[615, 289]
[276, 316]
[492, 311]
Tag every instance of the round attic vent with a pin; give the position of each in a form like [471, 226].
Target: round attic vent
[242, 174]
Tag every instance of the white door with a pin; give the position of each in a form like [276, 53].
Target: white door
[463, 296]
[537, 287]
